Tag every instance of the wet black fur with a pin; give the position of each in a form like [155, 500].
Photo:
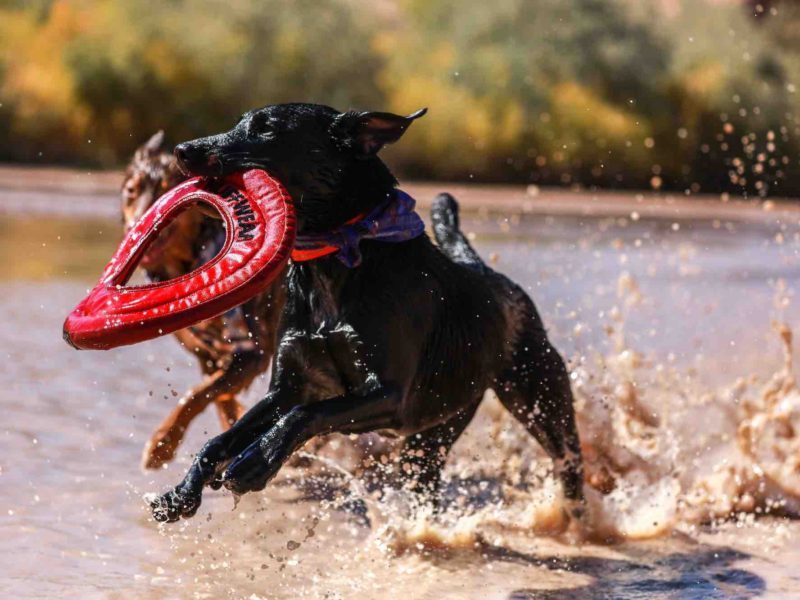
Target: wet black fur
[407, 342]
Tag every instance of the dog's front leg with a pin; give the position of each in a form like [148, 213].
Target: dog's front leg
[185, 498]
[350, 413]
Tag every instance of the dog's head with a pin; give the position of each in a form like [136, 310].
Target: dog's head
[327, 160]
[151, 172]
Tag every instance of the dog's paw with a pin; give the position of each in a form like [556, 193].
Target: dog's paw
[251, 471]
[160, 449]
[174, 505]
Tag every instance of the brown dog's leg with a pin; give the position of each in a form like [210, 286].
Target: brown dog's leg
[221, 388]
[208, 355]
[261, 315]
[229, 410]
[161, 447]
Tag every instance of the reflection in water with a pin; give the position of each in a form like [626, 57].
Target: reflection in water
[669, 330]
[706, 572]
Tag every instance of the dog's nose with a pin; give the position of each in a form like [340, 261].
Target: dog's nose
[185, 152]
[197, 159]
[191, 152]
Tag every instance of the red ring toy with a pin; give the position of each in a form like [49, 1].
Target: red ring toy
[260, 232]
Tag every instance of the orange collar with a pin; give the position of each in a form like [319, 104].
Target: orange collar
[306, 255]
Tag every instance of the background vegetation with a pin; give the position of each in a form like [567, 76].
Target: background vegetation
[696, 95]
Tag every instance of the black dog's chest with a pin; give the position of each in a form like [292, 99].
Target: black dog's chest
[325, 363]
[322, 350]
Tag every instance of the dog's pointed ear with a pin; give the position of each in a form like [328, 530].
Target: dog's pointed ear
[155, 143]
[367, 132]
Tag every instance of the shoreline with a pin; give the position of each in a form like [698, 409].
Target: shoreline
[26, 189]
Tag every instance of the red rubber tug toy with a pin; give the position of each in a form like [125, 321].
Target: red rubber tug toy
[260, 232]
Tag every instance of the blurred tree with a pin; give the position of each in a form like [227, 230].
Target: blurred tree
[524, 88]
[693, 95]
[112, 71]
[736, 108]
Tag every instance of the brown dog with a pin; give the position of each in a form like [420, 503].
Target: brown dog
[234, 348]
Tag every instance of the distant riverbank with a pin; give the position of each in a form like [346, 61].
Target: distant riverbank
[31, 190]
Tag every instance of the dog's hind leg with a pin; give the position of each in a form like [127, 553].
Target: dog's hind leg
[229, 409]
[536, 390]
[425, 453]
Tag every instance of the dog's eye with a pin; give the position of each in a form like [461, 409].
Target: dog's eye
[130, 189]
[259, 125]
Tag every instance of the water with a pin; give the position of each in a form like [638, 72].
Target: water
[668, 325]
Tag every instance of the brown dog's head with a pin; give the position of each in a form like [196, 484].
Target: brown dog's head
[152, 172]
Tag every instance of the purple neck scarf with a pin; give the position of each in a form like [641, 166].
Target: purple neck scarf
[394, 220]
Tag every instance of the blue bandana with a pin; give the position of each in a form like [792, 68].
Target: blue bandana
[394, 220]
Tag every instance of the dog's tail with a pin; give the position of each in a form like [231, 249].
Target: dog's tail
[451, 240]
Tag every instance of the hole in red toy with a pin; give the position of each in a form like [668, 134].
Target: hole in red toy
[181, 247]
[190, 241]
[259, 234]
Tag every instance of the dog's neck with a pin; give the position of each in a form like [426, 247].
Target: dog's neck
[318, 281]
[365, 185]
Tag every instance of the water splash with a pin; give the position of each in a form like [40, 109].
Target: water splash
[661, 453]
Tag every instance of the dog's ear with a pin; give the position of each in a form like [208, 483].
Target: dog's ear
[367, 132]
[155, 143]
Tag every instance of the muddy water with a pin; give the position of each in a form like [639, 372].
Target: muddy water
[682, 366]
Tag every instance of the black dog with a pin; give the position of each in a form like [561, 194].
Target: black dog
[407, 342]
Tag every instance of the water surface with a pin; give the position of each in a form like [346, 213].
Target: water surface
[695, 300]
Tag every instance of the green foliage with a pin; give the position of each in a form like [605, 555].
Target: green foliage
[547, 88]
[112, 71]
[691, 94]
